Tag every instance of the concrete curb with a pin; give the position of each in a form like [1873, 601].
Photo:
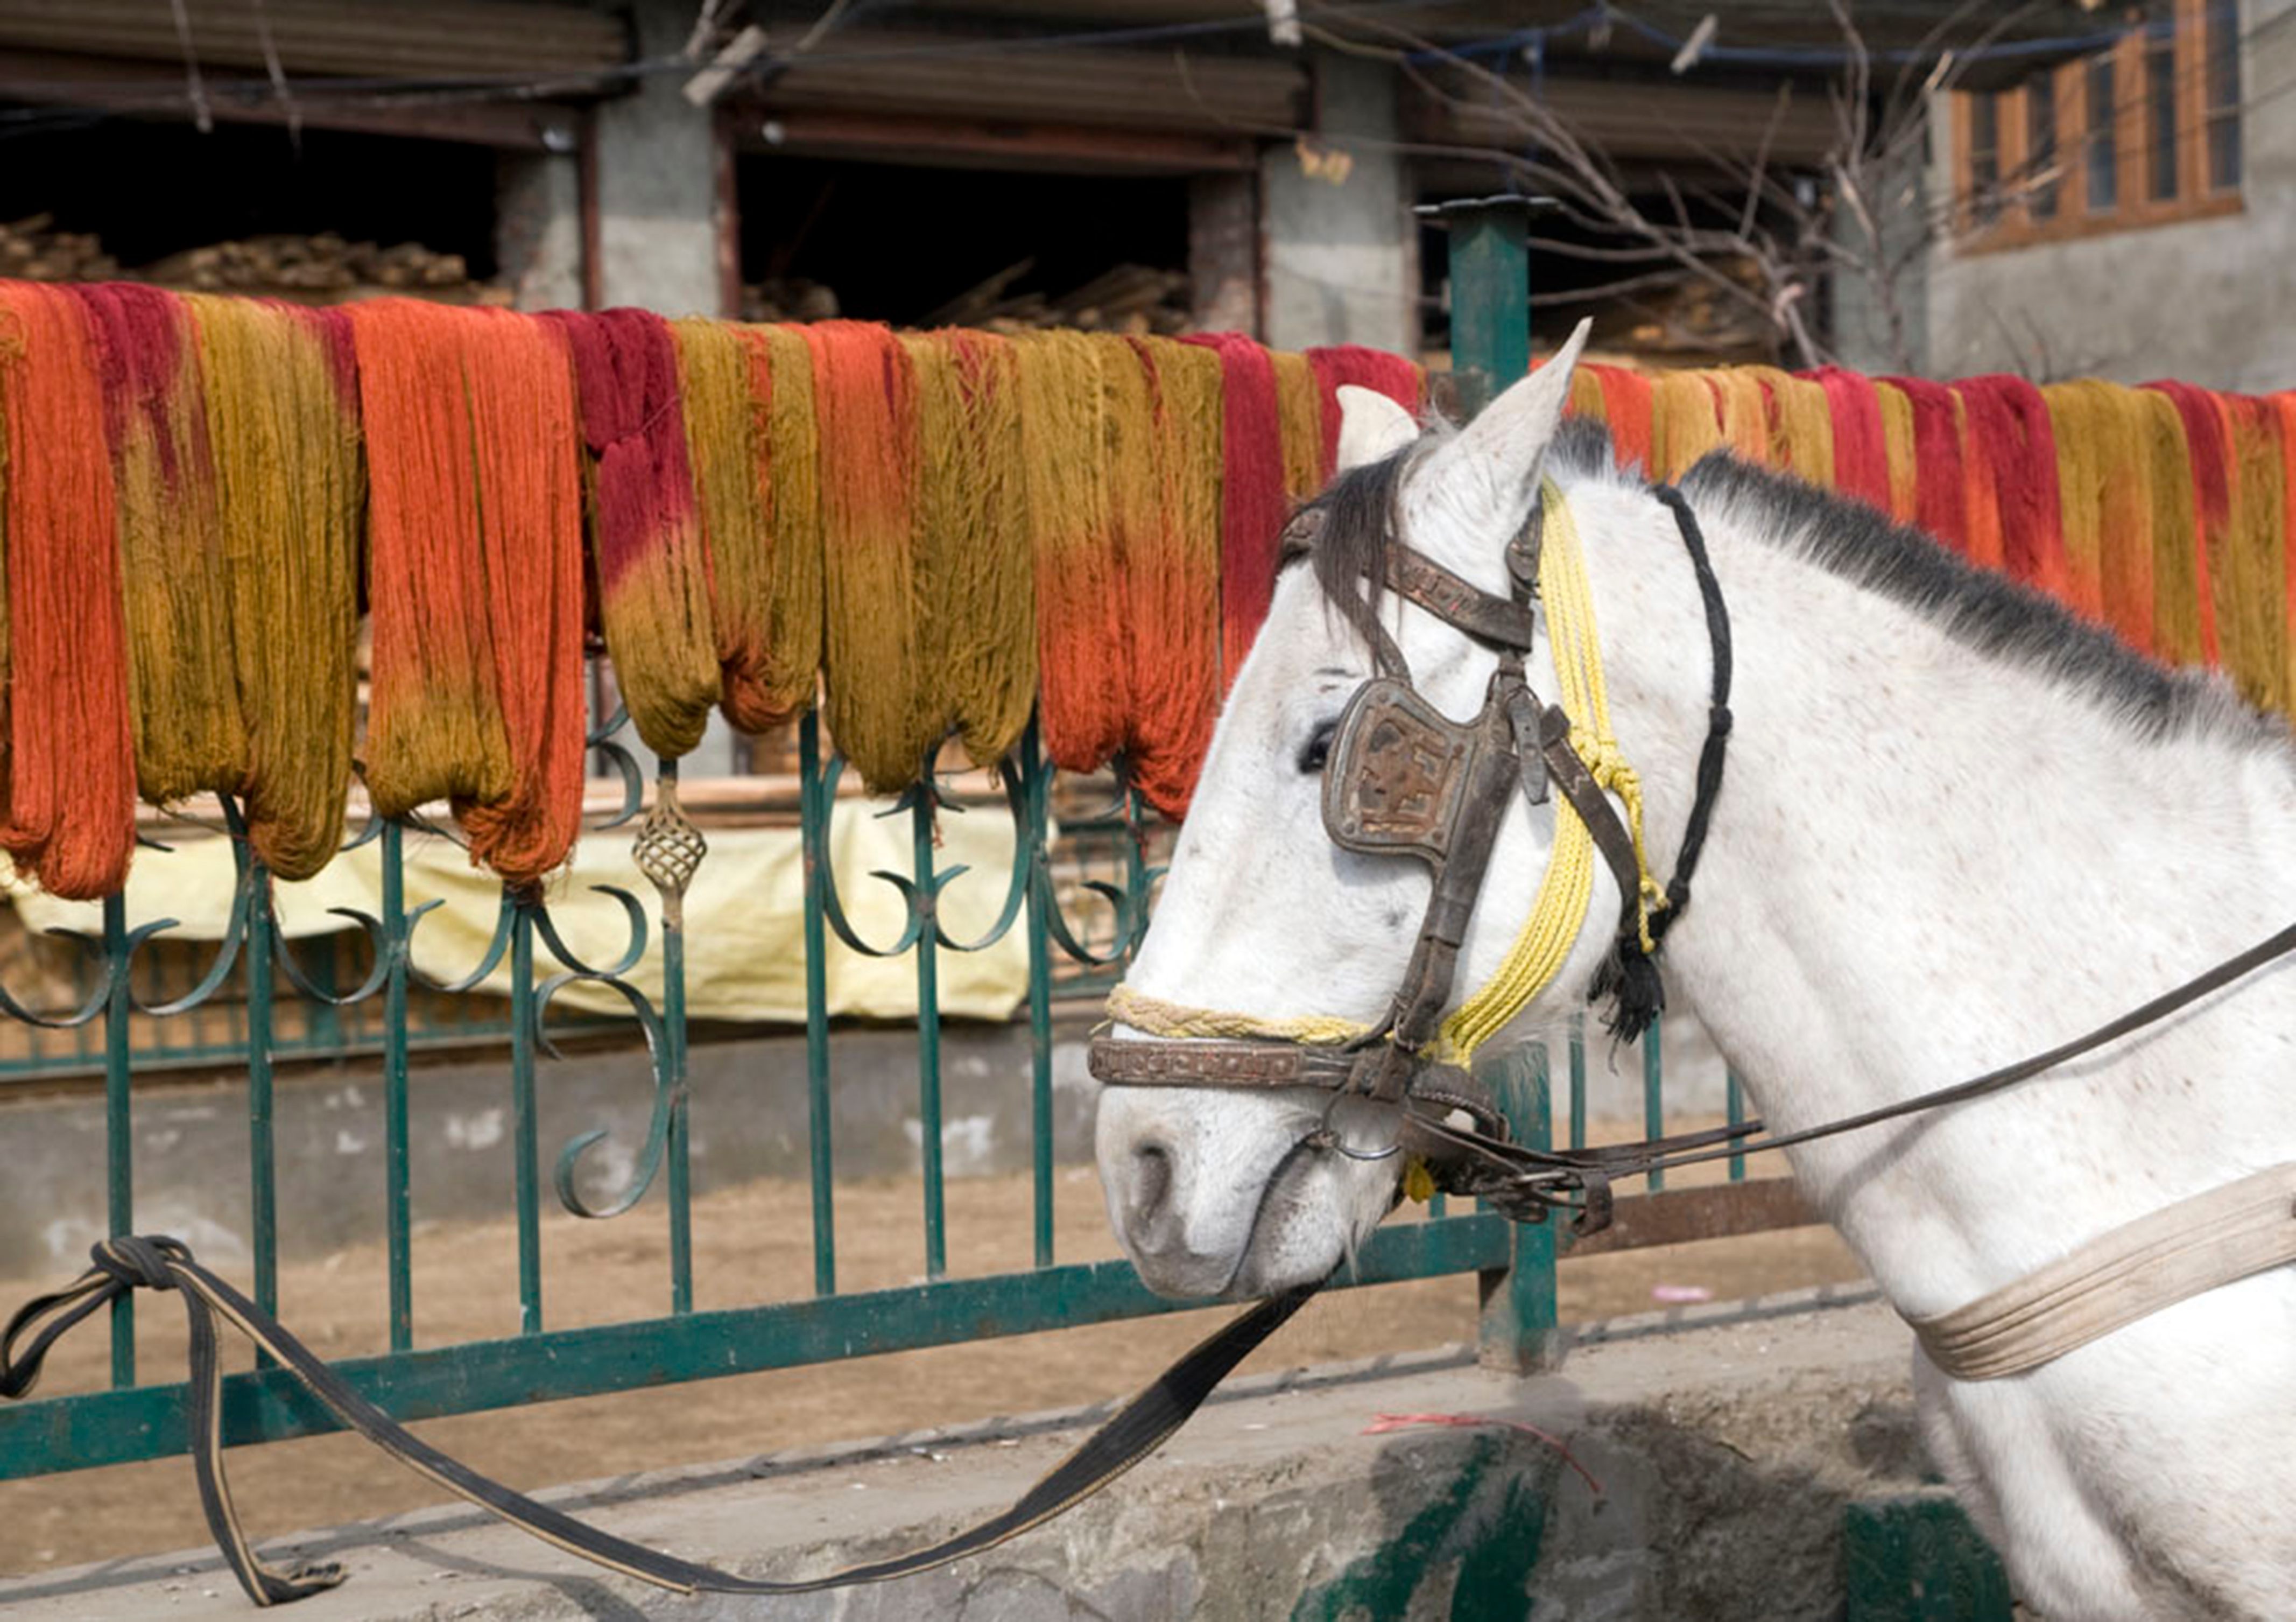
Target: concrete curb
[1727, 1440]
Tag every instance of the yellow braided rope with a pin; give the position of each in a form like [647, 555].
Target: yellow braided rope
[1159, 1017]
[1559, 912]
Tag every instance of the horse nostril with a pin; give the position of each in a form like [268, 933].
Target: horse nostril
[1151, 1180]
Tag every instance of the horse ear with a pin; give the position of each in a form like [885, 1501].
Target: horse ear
[1372, 426]
[1496, 456]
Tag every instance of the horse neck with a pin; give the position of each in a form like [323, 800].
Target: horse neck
[1926, 863]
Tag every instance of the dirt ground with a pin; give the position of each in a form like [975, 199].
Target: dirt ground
[752, 1244]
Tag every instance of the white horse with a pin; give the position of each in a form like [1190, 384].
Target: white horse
[1957, 827]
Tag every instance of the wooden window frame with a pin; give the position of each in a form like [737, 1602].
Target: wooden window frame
[2014, 223]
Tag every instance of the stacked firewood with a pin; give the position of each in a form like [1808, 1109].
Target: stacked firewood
[321, 263]
[325, 269]
[1136, 299]
[788, 298]
[1693, 317]
[33, 249]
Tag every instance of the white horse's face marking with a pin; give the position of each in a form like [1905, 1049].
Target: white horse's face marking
[1212, 1191]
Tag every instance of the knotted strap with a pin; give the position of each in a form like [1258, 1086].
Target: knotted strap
[121, 1264]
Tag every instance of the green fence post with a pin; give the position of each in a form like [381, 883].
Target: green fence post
[1521, 1329]
[1490, 258]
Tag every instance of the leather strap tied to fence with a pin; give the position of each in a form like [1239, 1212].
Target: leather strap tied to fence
[124, 1264]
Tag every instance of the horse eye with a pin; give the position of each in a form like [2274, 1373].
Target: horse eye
[1318, 748]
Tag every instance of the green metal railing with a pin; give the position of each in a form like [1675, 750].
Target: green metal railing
[133, 1421]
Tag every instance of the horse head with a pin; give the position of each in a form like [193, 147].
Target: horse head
[1268, 926]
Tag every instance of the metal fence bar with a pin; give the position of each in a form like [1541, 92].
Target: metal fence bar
[813, 820]
[1520, 1315]
[1733, 1101]
[119, 1130]
[674, 1077]
[1654, 1091]
[1032, 846]
[923, 804]
[398, 1157]
[262, 1156]
[1578, 1081]
[525, 1144]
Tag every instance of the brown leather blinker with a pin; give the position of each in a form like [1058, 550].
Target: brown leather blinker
[1399, 771]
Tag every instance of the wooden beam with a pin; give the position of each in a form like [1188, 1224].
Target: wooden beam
[893, 137]
[155, 91]
[1680, 1215]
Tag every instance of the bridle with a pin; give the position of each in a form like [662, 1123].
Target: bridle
[1402, 780]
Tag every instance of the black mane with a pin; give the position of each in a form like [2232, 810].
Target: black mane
[1986, 612]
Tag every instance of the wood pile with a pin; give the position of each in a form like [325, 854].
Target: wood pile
[788, 298]
[325, 269]
[1691, 317]
[321, 264]
[32, 250]
[1134, 300]
[1137, 300]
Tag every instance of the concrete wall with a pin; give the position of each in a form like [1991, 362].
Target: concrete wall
[1342, 253]
[538, 227]
[2209, 302]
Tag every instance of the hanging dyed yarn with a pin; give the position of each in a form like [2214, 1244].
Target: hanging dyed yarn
[2184, 619]
[646, 540]
[1805, 427]
[1171, 552]
[2284, 407]
[183, 693]
[67, 770]
[1254, 502]
[2124, 514]
[1626, 408]
[1860, 448]
[880, 711]
[2006, 429]
[2207, 475]
[1744, 400]
[1144, 512]
[725, 401]
[1082, 618]
[1940, 496]
[531, 490]
[1686, 422]
[1392, 376]
[979, 623]
[1898, 446]
[282, 423]
[1299, 417]
[792, 677]
[475, 575]
[2258, 653]
[2081, 417]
